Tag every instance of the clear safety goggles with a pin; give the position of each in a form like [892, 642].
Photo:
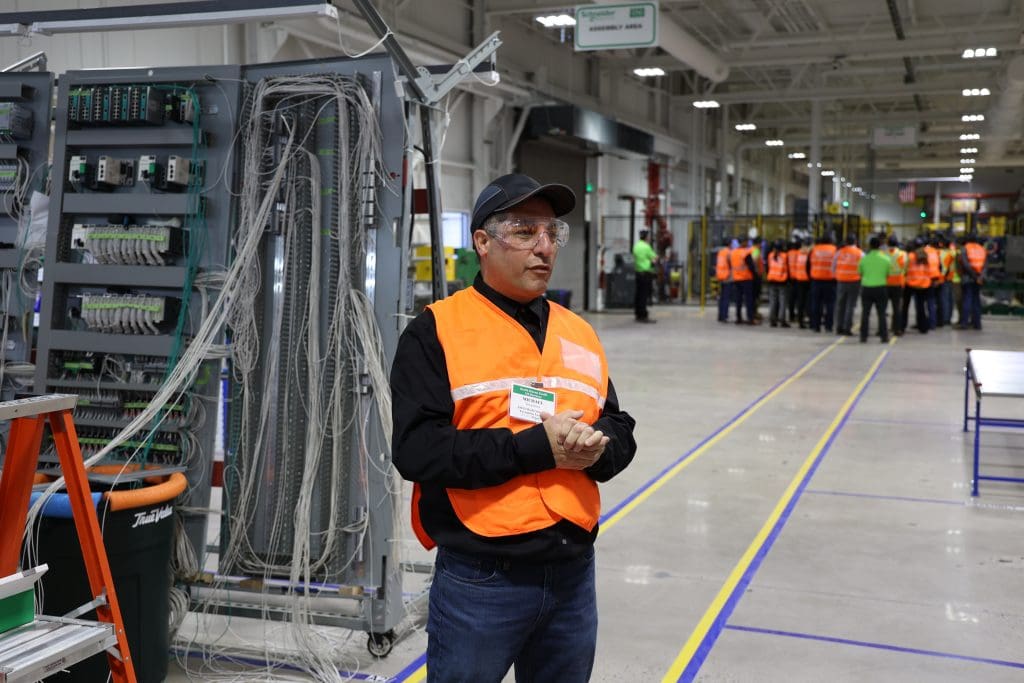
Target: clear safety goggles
[526, 233]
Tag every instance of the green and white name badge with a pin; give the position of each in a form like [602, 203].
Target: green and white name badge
[527, 403]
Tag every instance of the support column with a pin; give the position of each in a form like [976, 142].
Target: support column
[937, 205]
[814, 176]
[723, 170]
[869, 183]
[696, 144]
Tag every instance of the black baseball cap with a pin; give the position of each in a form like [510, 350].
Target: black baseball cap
[515, 188]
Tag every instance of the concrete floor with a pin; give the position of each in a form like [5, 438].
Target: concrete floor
[882, 567]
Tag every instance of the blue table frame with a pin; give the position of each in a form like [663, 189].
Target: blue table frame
[994, 374]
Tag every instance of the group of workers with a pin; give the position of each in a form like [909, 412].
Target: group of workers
[817, 285]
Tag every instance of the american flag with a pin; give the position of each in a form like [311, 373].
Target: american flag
[907, 192]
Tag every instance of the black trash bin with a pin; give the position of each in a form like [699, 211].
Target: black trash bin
[138, 530]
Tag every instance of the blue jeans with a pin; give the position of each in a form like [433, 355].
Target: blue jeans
[724, 299]
[823, 296]
[972, 305]
[487, 614]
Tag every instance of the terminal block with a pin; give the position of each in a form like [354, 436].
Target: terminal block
[8, 176]
[128, 313]
[132, 245]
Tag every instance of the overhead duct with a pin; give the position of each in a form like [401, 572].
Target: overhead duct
[1005, 115]
[675, 40]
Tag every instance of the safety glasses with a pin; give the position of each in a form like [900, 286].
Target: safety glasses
[526, 233]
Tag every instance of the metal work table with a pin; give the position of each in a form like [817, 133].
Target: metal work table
[49, 644]
[992, 374]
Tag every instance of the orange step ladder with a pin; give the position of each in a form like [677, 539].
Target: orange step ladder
[23, 445]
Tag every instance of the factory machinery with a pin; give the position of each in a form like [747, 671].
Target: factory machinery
[235, 222]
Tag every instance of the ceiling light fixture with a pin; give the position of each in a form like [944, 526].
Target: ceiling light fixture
[979, 52]
[798, 155]
[968, 150]
[971, 118]
[970, 136]
[556, 20]
[967, 160]
[706, 104]
[976, 92]
[746, 126]
[774, 143]
[966, 178]
[967, 169]
[649, 71]
[828, 174]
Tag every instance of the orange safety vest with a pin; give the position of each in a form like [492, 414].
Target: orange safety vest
[821, 261]
[917, 273]
[934, 268]
[573, 366]
[847, 259]
[740, 269]
[976, 256]
[898, 270]
[777, 267]
[798, 265]
[722, 265]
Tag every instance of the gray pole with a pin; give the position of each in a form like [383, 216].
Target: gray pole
[814, 174]
[938, 201]
[723, 171]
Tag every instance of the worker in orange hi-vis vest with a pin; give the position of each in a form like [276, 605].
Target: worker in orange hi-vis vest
[847, 283]
[823, 283]
[799, 282]
[935, 275]
[778, 277]
[919, 283]
[972, 269]
[743, 269]
[723, 273]
[896, 286]
[505, 419]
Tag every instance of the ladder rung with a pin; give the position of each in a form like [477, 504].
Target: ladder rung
[36, 405]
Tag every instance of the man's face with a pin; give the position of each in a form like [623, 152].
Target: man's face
[520, 274]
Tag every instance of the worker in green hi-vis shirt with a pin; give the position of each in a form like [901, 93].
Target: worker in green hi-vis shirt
[644, 259]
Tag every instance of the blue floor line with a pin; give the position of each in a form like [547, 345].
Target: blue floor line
[704, 649]
[877, 646]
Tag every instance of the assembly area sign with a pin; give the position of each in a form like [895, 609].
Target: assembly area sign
[612, 27]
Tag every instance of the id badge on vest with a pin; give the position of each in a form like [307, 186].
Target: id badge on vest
[527, 403]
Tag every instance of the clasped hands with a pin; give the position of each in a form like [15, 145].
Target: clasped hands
[575, 445]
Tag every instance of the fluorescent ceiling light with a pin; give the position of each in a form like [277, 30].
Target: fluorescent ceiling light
[976, 92]
[556, 20]
[746, 126]
[798, 155]
[706, 104]
[774, 143]
[966, 178]
[968, 150]
[968, 160]
[649, 71]
[971, 118]
[828, 174]
[967, 169]
[970, 136]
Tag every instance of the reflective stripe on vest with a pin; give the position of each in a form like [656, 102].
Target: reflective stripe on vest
[821, 261]
[897, 269]
[847, 259]
[917, 273]
[740, 269]
[976, 256]
[722, 265]
[777, 267]
[486, 352]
